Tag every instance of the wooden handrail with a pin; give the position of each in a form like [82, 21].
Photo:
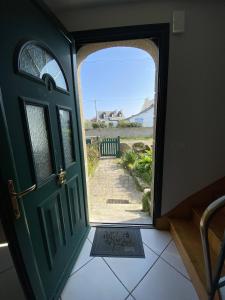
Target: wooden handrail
[211, 281]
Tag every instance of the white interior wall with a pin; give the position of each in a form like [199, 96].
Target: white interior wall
[195, 126]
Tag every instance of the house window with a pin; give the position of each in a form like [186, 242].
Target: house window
[37, 62]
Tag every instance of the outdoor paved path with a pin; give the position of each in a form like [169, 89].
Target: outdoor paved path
[111, 181]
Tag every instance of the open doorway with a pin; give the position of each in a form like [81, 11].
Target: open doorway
[118, 90]
[153, 41]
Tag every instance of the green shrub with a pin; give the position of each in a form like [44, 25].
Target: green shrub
[125, 123]
[135, 124]
[95, 125]
[139, 163]
[143, 166]
[145, 202]
[99, 125]
[128, 159]
[92, 157]
[144, 163]
[103, 125]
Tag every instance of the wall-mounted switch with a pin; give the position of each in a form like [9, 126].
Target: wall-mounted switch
[178, 21]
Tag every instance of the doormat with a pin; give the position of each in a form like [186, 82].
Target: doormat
[117, 201]
[117, 242]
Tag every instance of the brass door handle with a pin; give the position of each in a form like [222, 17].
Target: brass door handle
[14, 196]
[61, 177]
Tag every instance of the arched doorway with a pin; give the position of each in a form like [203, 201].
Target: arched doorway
[107, 202]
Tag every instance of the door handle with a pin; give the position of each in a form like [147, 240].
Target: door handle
[14, 196]
[61, 177]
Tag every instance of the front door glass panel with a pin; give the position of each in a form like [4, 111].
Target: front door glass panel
[36, 117]
[37, 61]
[67, 136]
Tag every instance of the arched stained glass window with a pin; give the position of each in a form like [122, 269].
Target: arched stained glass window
[38, 62]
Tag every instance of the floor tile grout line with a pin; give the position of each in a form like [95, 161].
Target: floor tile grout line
[159, 256]
[166, 246]
[175, 269]
[129, 296]
[84, 265]
[116, 276]
[167, 261]
[163, 248]
[151, 249]
[90, 241]
[132, 296]
[145, 275]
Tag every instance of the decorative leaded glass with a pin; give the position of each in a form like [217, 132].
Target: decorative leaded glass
[37, 61]
[39, 140]
[67, 139]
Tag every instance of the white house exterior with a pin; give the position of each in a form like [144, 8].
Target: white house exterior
[145, 117]
[110, 117]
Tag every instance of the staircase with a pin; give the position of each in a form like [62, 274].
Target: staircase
[187, 236]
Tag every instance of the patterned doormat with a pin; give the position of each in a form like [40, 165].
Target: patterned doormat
[117, 242]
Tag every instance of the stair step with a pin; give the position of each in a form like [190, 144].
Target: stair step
[216, 229]
[187, 238]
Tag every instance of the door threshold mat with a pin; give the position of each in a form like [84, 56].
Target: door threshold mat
[118, 242]
[117, 201]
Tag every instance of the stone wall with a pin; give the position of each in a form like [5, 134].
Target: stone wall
[141, 132]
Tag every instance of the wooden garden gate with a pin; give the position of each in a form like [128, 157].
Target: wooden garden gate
[110, 147]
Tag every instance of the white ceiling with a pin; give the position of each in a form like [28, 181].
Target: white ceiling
[66, 4]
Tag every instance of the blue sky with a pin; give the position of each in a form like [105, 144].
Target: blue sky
[117, 78]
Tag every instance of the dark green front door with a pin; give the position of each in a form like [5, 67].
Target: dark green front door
[41, 118]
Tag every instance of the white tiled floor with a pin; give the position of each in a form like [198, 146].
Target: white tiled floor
[161, 275]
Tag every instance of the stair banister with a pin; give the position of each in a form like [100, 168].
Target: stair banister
[212, 283]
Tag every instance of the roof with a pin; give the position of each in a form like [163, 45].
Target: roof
[147, 103]
[148, 108]
[110, 114]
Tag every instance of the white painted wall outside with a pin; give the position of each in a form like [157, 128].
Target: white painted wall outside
[145, 118]
[135, 132]
[194, 151]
